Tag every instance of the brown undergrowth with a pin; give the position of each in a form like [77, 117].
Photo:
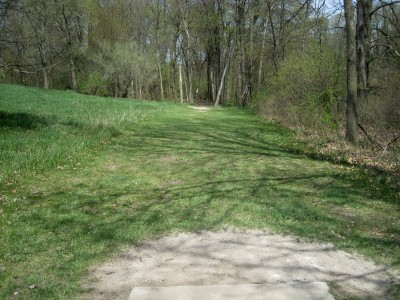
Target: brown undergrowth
[377, 153]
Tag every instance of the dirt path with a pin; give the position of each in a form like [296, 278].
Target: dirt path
[237, 257]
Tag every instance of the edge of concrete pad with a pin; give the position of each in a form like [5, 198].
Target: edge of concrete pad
[278, 291]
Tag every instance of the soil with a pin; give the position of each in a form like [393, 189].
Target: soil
[237, 257]
[201, 108]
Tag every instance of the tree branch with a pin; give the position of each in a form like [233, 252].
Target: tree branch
[384, 4]
[393, 141]
[368, 136]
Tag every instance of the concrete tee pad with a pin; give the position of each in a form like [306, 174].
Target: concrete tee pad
[233, 258]
[280, 291]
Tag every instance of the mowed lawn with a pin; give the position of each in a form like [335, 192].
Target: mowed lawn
[83, 177]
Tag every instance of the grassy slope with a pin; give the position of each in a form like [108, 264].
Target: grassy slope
[41, 130]
[179, 169]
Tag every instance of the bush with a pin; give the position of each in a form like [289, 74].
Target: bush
[95, 84]
[3, 77]
[307, 90]
[382, 107]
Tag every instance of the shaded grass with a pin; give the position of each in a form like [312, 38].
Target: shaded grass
[183, 170]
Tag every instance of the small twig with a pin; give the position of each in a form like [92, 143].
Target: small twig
[393, 141]
[384, 148]
[368, 136]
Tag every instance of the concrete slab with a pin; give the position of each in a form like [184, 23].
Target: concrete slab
[279, 291]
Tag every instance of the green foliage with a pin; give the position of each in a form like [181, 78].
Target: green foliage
[123, 67]
[308, 88]
[95, 84]
[3, 77]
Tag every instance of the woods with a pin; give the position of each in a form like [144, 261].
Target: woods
[286, 59]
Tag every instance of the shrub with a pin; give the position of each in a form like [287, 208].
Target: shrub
[95, 84]
[307, 89]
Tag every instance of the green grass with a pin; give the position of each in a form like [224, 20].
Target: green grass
[163, 168]
[43, 130]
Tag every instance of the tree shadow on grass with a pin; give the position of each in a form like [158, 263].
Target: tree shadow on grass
[302, 196]
[22, 120]
[241, 139]
[90, 222]
[113, 217]
[214, 137]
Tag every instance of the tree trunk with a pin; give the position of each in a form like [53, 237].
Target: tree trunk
[190, 83]
[249, 82]
[361, 54]
[180, 83]
[274, 38]
[221, 85]
[351, 110]
[186, 90]
[239, 24]
[45, 79]
[363, 47]
[73, 75]
[209, 77]
[188, 62]
[260, 67]
[159, 72]
[212, 86]
[367, 38]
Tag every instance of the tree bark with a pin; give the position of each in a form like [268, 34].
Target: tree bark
[351, 110]
[73, 75]
[188, 62]
[260, 67]
[45, 79]
[180, 83]
[161, 78]
[363, 47]
[221, 85]
[274, 38]
[240, 6]
[367, 38]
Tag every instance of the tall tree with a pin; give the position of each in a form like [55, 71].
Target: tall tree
[68, 17]
[351, 110]
[38, 14]
[363, 30]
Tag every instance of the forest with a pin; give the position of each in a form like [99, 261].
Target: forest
[288, 60]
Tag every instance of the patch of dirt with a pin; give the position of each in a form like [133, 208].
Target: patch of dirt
[169, 159]
[200, 108]
[236, 257]
[112, 167]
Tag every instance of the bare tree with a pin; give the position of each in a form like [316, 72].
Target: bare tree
[351, 110]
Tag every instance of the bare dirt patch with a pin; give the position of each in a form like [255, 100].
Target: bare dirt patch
[237, 257]
[201, 108]
[111, 167]
[169, 159]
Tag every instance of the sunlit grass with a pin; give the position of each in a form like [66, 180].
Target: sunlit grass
[42, 130]
[176, 170]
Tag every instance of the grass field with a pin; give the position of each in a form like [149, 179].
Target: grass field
[82, 177]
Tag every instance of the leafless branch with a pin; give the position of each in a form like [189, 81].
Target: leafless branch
[369, 137]
[384, 4]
